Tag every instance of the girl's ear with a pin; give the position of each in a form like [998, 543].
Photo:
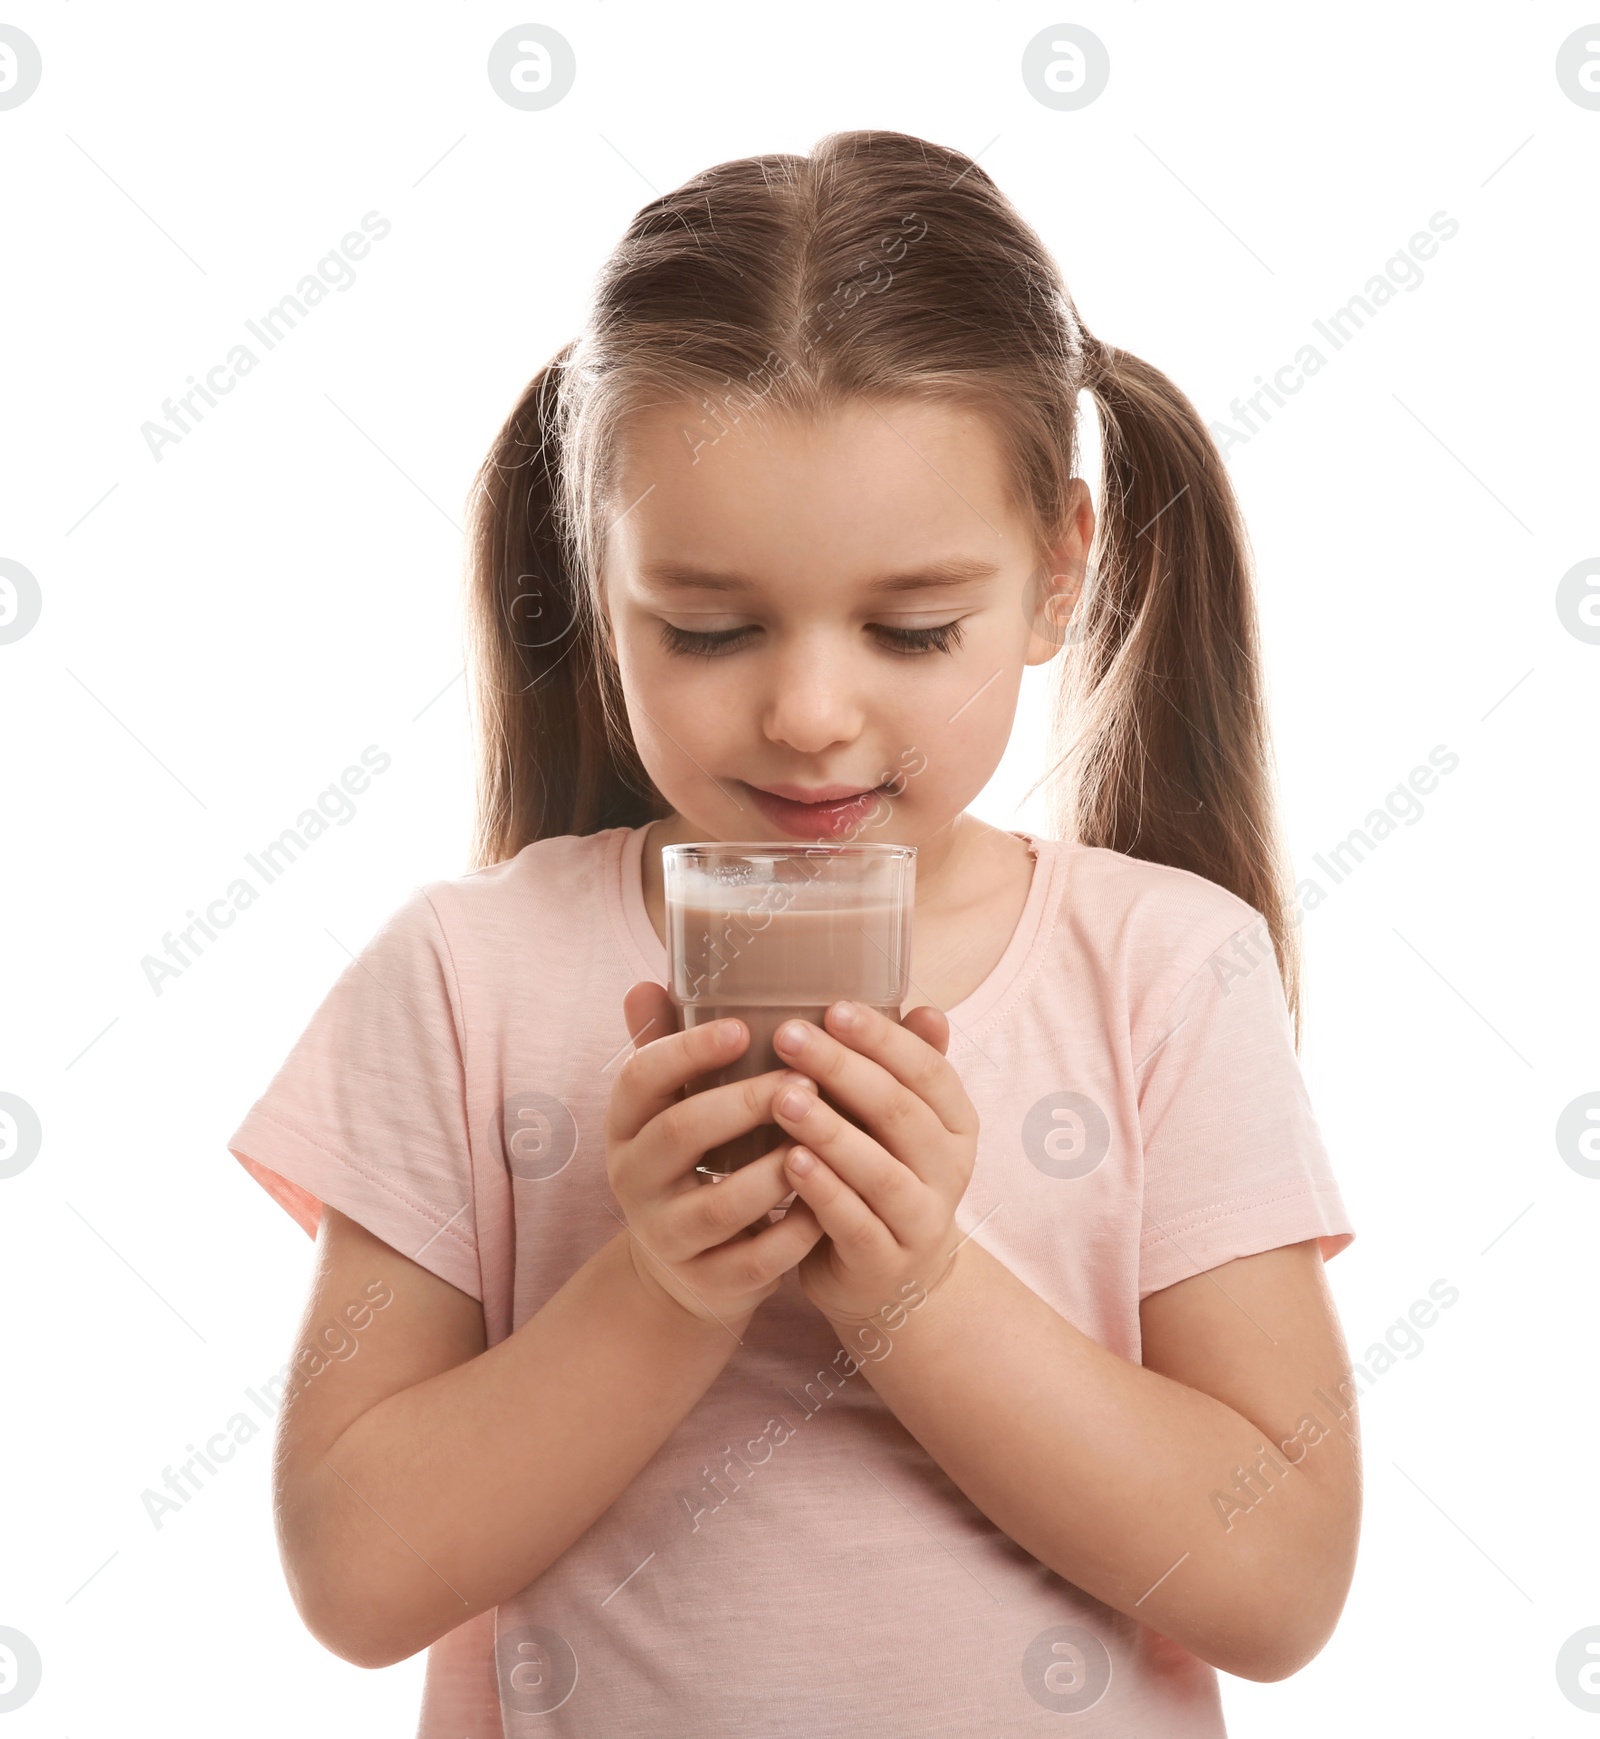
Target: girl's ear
[1053, 597]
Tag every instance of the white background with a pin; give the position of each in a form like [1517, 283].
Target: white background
[225, 630]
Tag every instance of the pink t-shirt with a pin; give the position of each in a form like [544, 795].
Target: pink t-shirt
[792, 1561]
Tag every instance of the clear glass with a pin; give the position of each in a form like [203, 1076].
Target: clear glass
[770, 933]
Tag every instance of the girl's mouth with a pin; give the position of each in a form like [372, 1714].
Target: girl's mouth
[835, 813]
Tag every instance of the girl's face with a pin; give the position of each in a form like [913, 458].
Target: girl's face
[821, 628]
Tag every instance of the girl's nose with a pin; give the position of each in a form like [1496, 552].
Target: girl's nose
[814, 703]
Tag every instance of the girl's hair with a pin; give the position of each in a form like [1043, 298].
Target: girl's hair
[880, 266]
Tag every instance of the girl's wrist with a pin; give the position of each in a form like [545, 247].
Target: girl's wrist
[661, 1296]
[914, 1294]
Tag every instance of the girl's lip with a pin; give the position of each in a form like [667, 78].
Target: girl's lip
[820, 794]
[824, 818]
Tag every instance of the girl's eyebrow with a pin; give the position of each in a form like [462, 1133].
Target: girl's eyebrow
[956, 571]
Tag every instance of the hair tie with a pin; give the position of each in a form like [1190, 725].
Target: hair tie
[1096, 357]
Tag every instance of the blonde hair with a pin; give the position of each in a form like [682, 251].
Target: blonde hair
[881, 266]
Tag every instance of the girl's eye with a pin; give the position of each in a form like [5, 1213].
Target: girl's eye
[944, 638]
[703, 645]
[700, 643]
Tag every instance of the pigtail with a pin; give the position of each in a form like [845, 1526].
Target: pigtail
[1162, 697]
[549, 762]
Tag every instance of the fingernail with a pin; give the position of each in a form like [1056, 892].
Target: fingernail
[729, 1031]
[793, 1078]
[794, 1103]
[791, 1036]
[844, 1013]
[800, 1162]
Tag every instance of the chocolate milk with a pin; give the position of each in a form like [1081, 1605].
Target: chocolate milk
[746, 952]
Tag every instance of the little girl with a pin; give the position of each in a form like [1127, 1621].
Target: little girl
[1008, 1385]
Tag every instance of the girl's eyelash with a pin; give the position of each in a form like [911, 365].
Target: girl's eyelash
[943, 638]
[703, 645]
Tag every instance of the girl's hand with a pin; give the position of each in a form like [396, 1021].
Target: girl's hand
[885, 1193]
[689, 1238]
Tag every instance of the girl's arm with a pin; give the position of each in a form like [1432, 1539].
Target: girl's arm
[1213, 1493]
[423, 1479]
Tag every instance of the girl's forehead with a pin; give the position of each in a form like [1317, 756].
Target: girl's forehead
[871, 480]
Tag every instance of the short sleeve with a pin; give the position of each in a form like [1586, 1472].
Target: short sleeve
[368, 1112]
[1233, 1161]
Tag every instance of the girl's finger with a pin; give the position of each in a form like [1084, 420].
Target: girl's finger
[687, 1129]
[930, 1024]
[659, 1069]
[890, 1191]
[901, 1119]
[859, 1237]
[708, 1214]
[649, 1012]
[908, 1057]
[786, 1240]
